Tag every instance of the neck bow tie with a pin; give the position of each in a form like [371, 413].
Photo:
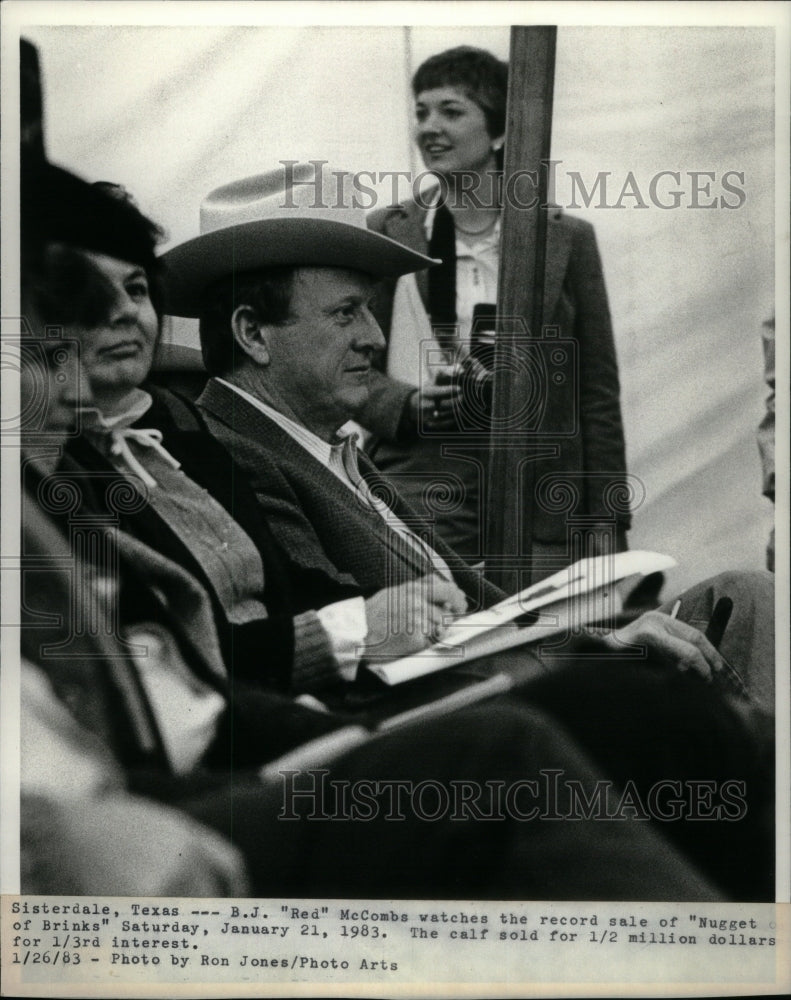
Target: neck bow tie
[147, 437]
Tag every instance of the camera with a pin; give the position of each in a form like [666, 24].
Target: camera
[546, 368]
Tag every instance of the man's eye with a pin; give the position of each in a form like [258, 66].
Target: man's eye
[346, 313]
[138, 290]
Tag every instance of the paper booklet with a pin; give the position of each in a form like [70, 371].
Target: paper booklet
[591, 590]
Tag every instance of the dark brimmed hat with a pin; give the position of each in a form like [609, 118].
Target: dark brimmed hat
[298, 215]
[59, 207]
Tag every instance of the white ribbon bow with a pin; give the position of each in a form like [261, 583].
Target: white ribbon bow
[147, 437]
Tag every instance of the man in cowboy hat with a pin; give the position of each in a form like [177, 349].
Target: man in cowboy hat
[282, 277]
[99, 775]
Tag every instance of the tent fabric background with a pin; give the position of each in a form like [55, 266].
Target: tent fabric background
[172, 112]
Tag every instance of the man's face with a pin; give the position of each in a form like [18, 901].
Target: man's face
[52, 386]
[320, 361]
[52, 382]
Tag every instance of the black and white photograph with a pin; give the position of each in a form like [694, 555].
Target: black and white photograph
[395, 542]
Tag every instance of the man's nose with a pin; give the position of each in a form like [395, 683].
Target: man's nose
[368, 335]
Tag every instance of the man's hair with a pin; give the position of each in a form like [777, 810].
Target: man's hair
[482, 77]
[267, 293]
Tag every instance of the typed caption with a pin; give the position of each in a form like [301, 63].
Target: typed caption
[60, 946]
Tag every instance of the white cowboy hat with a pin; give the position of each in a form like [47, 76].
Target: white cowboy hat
[299, 214]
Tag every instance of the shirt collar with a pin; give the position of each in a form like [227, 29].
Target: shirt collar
[491, 239]
[317, 446]
[139, 402]
[113, 434]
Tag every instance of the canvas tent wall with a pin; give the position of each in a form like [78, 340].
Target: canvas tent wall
[171, 112]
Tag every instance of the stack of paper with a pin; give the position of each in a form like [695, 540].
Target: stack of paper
[580, 594]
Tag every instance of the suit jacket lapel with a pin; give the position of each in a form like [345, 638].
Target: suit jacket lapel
[250, 422]
[471, 582]
[412, 555]
[407, 225]
[244, 418]
[558, 250]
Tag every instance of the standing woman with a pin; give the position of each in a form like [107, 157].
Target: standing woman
[425, 429]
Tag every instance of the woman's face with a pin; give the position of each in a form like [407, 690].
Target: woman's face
[451, 132]
[117, 355]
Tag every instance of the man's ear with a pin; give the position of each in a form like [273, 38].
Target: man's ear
[250, 335]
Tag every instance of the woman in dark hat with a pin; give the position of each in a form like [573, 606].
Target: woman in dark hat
[424, 418]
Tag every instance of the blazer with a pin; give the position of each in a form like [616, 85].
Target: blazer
[314, 516]
[261, 651]
[592, 454]
[92, 672]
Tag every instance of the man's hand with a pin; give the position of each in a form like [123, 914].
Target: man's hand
[407, 618]
[432, 406]
[680, 642]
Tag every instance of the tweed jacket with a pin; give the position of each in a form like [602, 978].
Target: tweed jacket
[93, 673]
[314, 516]
[592, 453]
[260, 651]
[91, 721]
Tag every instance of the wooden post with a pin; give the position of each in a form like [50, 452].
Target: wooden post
[520, 301]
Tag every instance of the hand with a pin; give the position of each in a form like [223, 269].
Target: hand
[432, 407]
[405, 619]
[688, 647]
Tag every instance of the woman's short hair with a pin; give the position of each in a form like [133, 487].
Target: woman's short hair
[137, 237]
[482, 76]
[267, 293]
